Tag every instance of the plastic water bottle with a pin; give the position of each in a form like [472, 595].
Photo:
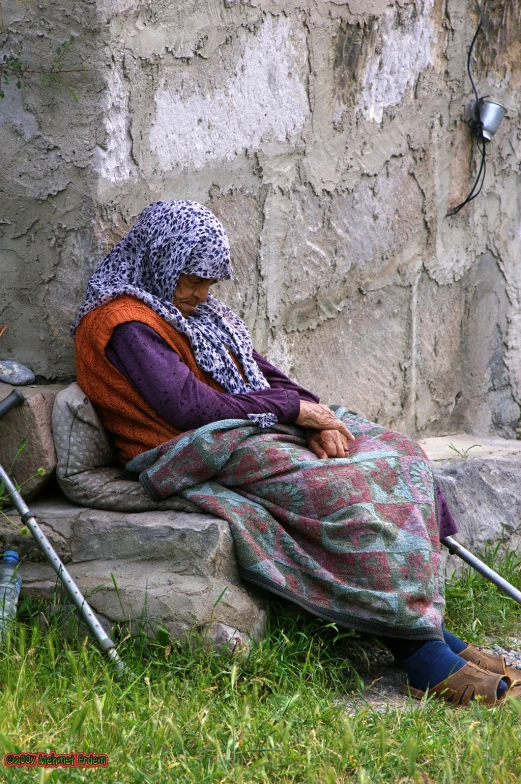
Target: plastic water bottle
[10, 585]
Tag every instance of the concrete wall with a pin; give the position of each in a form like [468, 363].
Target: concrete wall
[330, 139]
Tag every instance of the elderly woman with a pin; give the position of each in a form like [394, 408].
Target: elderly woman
[326, 509]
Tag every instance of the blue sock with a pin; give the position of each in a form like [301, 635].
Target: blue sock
[455, 644]
[433, 663]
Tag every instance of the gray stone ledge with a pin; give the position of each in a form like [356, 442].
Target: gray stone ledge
[169, 567]
[482, 447]
[483, 490]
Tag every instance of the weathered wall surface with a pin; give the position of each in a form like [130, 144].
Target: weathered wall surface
[329, 137]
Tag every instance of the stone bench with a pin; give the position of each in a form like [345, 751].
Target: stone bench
[137, 562]
[168, 569]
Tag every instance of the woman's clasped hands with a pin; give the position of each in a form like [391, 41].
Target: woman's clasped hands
[327, 436]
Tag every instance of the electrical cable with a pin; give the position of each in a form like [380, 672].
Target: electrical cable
[476, 127]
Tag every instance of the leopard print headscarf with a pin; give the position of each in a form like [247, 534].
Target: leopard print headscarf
[167, 239]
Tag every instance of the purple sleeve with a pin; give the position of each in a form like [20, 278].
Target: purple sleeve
[157, 373]
[277, 380]
[446, 522]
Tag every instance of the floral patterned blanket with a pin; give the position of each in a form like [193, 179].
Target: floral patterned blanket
[354, 540]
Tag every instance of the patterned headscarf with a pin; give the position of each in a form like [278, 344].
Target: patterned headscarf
[170, 238]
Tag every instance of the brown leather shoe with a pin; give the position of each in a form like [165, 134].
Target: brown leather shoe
[490, 663]
[470, 683]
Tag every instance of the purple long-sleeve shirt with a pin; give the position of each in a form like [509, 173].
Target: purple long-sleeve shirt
[157, 373]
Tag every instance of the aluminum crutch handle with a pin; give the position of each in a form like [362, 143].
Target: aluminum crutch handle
[13, 399]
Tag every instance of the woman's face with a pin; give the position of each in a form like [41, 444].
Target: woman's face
[191, 290]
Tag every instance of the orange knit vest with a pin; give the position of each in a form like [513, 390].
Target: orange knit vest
[134, 424]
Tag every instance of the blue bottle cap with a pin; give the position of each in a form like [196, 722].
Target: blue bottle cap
[11, 555]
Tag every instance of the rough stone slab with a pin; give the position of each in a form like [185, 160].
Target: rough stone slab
[56, 512]
[31, 421]
[152, 597]
[485, 498]
[171, 568]
[59, 532]
[483, 490]
[192, 543]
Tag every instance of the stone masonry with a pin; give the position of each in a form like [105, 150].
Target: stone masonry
[330, 137]
[154, 569]
[26, 442]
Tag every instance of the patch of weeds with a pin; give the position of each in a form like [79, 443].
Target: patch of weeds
[464, 452]
[14, 70]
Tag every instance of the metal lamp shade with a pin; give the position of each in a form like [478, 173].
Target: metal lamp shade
[491, 113]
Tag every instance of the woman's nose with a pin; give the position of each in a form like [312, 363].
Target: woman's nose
[202, 292]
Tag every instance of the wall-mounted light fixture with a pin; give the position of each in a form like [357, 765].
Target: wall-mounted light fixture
[485, 118]
[490, 116]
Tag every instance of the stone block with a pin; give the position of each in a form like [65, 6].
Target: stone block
[227, 639]
[482, 489]
[196, 544]
[148, 569]
[30, 423]
[485, 497]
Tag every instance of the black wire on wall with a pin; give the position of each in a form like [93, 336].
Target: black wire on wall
[476, 128]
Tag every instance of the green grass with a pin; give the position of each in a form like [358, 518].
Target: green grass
[194, 716]
[477, 608]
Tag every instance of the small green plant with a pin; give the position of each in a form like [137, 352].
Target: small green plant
[464, 452]
[15, 70]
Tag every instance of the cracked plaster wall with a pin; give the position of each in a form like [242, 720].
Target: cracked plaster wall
[329, 137]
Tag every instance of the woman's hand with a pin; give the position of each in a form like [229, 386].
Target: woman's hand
[328, 443]
[315, 416]
[327, 435]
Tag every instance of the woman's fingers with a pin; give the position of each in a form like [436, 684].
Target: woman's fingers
[334, 443]
[328, 443]
[317, 449]
[315, 444]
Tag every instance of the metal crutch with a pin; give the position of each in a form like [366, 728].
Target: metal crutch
[16, 398]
